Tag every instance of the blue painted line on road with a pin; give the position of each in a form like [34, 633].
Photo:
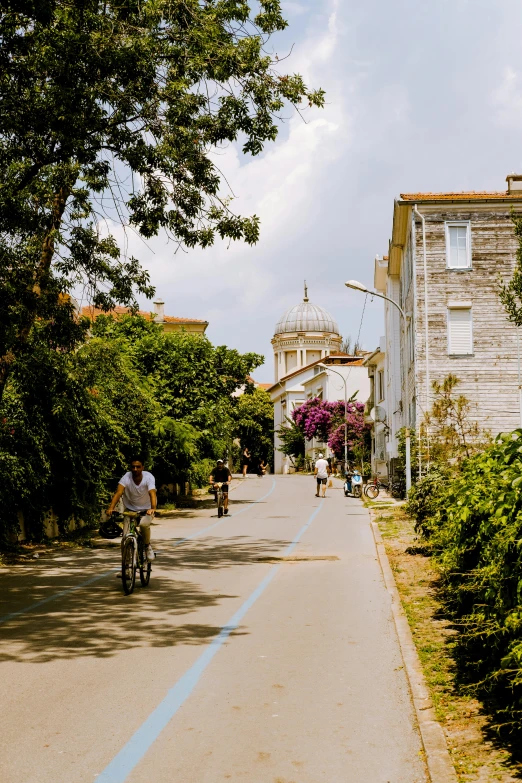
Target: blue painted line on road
[132, 753]
[7, 617]
[229, 516]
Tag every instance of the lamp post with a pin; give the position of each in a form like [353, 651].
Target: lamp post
[341, 376]
[360, 287]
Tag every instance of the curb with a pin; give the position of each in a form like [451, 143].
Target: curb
[438, 759]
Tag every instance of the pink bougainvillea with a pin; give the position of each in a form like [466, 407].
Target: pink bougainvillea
[325, 420]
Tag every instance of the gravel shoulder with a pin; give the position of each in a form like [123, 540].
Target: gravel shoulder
[477, 756]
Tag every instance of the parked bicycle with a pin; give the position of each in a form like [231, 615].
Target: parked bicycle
[373, 487]
[133, 556]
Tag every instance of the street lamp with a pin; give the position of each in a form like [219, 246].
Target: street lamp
[360, 287]
[328, 368]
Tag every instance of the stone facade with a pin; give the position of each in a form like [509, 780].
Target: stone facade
[447, 255]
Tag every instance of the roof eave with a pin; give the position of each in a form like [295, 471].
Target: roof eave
[470, 200]
[401, 214]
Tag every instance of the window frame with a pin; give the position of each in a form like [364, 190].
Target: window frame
[458, 224]
[458, 306]
[380, 386]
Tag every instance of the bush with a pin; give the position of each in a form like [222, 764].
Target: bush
[424, 499]
[475, 527]
[199, 472]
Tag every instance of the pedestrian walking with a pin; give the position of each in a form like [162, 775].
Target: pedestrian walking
[321, 473]
[245, 461]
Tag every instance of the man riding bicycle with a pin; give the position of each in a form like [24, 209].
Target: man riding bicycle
[222, 475]
[138, 489]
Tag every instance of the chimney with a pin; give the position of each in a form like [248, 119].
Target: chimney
[159, 309]
[514, 182]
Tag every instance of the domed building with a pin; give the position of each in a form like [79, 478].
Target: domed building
[303, 335]
[307, 364]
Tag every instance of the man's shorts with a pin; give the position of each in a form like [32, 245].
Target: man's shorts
[321, 481]
[145, 520]
[224, 489]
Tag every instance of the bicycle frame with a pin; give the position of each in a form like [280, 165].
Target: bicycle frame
[139, 559]
[220, 496]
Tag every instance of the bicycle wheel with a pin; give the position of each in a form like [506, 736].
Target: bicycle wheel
[371, 491]
[220, 504]
[145, 566]
[128, 568]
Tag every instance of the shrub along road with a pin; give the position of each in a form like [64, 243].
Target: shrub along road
[263, 650]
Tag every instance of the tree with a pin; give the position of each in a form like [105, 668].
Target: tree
[325, 420]
[254, 424]
[452, 432]
[69, 422]
[292, 440]
[347, 347]
[112, 112]
[191, 380]
[511, 293]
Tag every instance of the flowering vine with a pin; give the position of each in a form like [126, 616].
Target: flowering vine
[325, 420]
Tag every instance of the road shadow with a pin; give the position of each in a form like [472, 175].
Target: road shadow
[208, 501]
[99, 621]
[211, 553]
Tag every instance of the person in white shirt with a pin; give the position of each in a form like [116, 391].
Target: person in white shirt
[321, 473]
[138, 490]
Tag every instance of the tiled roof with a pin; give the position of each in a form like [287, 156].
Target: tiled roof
[264, 386]
[94, 312]
[355, 361]
[469, 196]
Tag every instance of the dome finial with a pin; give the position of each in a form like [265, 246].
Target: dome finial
[306, 292]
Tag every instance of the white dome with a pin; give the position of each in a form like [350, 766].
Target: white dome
[306, 317]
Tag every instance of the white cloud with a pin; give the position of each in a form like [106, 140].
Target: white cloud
[293, 8]
[280, 186]
[507, 98]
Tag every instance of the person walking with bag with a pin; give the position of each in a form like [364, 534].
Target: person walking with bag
[321, 473]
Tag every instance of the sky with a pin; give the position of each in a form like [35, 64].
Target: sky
[420, 96]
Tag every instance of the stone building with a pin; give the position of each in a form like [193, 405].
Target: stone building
[447, 254]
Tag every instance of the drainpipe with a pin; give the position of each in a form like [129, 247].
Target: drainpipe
[426, 332]
[519, 380]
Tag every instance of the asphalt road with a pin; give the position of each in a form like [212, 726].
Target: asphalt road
[263, 650]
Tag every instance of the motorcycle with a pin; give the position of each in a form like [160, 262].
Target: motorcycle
[353, 485]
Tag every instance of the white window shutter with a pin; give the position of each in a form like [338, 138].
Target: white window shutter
[460, 331]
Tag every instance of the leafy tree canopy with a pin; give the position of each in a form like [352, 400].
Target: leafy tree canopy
[254, 424]
[111, 112]
[71, 420]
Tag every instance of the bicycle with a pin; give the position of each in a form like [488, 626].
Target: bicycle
[371, 489]
[220, 497]
[133, 557]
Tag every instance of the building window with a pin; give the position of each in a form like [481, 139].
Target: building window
[460, 331]
[380, 385]
[458, 245]
[380, 447]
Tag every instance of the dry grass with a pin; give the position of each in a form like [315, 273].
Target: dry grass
[477, 758]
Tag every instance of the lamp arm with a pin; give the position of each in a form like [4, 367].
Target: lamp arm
[387, 298]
